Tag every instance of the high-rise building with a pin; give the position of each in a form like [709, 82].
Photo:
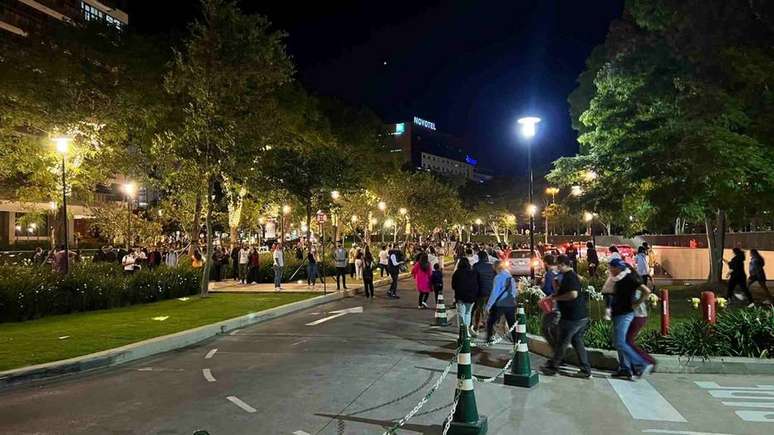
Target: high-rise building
[427, 148]
[23, 17]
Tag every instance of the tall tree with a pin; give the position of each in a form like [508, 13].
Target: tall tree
[225, 74]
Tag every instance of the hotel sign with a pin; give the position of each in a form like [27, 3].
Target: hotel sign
[423, 123]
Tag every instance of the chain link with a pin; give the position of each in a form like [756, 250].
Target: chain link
[450, 417]
[498, 339]
[504, 369]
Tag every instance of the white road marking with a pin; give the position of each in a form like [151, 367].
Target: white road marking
[234, 332]
[299, 342]
[742, 394]
[644, 402]
[300, 432]
[235, 400]
[715, 386]
[210, 354]
[756, 416]
[683, 432]
[208, 375]
[337, 313]
[750, 404]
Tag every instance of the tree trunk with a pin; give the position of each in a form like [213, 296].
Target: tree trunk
[208, 264]
[309, 221]
[716, 239]
[194, 235]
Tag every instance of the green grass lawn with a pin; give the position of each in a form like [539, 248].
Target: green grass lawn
[43, 340]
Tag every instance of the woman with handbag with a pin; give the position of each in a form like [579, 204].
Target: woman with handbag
[502, 301]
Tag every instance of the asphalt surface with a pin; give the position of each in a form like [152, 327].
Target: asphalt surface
[358, 373]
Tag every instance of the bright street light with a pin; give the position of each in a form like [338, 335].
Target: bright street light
[532, 209]
[382, 205]
[402, 211]
[588, 217]
[62, 147]
[528, 126]
[576, 191]
[479, 222]
[389, 223]
[130, 189]
[285, 209]
[553, 191]
[335, 195]
[62, 144]
[354, 218]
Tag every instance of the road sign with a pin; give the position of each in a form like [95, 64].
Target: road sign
[321, 217]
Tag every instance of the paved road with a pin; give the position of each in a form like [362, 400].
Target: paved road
[358, 372]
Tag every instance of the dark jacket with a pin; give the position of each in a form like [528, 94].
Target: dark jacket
[465, 285]
[486, 274]
[368, 270]
[436, 280]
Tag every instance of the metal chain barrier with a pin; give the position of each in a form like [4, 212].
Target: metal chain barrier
[498, 339]
[504, 369]
[450, 417]
[427, 396]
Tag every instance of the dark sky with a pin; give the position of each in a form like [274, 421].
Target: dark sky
[472, 67]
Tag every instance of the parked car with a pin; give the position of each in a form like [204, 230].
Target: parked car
[626, 251]
[519, 262]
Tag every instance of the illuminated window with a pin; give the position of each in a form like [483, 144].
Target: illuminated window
[90, 13]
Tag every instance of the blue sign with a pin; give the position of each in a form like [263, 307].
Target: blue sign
[471, 160]
[400, 128]
[423, 123]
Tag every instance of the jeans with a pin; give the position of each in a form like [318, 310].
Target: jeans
[368, 287]
[341, 274]
[628, 358]
[243, 272]
[394, 284]
[423, 297]
[311, 273]
[464, 311]
[494, 316]
[571, 331]
[277, 276]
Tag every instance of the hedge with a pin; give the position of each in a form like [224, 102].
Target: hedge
[33, 292]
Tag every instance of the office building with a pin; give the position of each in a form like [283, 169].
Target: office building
[23, 17]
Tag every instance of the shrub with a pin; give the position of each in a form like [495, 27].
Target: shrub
[599, 334]
[32, 292]
[746, 332]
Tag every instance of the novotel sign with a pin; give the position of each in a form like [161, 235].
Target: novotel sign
[423, 123]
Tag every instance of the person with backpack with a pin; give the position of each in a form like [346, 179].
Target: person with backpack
[502, 301]
[466, 292]
[573, 321]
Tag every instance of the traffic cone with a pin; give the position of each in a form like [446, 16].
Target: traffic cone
[466, 420]
[440, 312]
[521, 374]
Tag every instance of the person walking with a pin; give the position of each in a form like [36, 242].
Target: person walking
[129, 262]
[592, 259]
[254, 274]
[340, 261]
[172, 257]
[359, 264]
[465, 283]
[485, 274]
[217, 263]
[552, 274]
[278, 259]
[235, 252]
[737, 276]
[384, 259]
[393, 267]
[609, 286]
[573, 321]
[436, 280]
[368, 274]
[572, 255]
[639, 321]
[422, 273]
[758, 274]
[502, 301]
[351, 258]
[244, 263]
[624, 300]
[641, 262]
[312, 271]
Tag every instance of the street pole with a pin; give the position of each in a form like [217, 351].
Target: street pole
[64, 217]
[322, 255]
[531, 216]
[128, 223]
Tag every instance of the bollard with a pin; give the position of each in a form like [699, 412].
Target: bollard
[708, 311]
[521, 374]
[665, 316]
[466, 420]
[440, 312]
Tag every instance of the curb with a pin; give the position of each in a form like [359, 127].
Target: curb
[164, 343]
[608, 360]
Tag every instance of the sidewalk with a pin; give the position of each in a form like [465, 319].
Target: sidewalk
[232, 286]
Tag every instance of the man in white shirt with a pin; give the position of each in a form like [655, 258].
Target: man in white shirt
[394, 268]
[384, 259]
[279, 264]
[244, 258]
[129, 262]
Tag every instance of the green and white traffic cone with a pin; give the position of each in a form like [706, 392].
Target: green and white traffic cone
[521, 374]
[466, 420]
[440, 312]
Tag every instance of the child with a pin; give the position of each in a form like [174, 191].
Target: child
[436, 279]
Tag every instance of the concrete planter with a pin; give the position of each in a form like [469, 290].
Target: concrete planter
[608, 360]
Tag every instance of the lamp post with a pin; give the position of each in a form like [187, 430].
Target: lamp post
[478, 224]
[129, 190]
[528, 129]
[383, 207]
[550, 191]
[62, 147]
[335, 195]
[588, 217]
[402, 211]
[285, 212]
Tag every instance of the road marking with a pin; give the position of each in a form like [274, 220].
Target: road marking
[683, 432]
[644, 402]
[234, 332]
[715, 386]
[300, 432]
[742, 394]
[337, 313]
[750, 404]
[210, 354]
[235, 400]
[208, 375]
[756, 416]
[300, 341]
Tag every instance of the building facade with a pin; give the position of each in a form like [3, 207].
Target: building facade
[31, 222]
[427, 148]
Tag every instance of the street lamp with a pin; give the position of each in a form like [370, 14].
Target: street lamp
[62, 147]
[552, 191]
[285, 212]
[382, 206]
[588, 217]
[528, 130]
[478, 224]
[129, 190]
[335, 195]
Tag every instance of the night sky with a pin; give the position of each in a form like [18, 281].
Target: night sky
[472, 67]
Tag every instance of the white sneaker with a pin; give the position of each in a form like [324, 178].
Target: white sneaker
[424, 304]
[647, 370]
[608, 314]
